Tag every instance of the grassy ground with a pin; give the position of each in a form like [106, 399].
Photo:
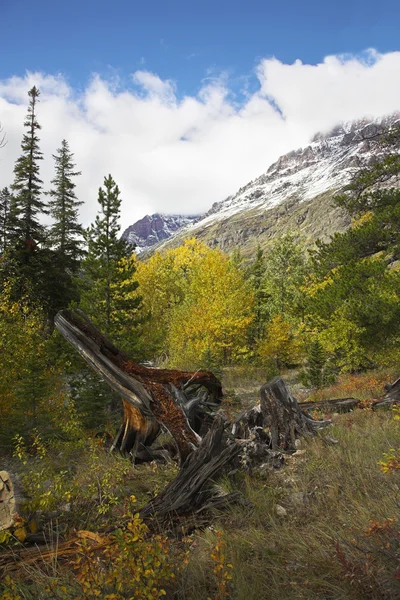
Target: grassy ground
[324, 527]
[331, 495]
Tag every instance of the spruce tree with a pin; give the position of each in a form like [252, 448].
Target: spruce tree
[5, 206]
[108, 296]
[316, 363]
[108, 283]
[24, 268]
[27, 186]
[66, 233]
[256, 275]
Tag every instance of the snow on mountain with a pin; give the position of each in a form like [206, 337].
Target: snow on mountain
[326, 164]
[153, 229]
[295, 193]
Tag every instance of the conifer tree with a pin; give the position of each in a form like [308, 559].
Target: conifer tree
[27, 186]
[316, 363]
[284, 274]
[5, 202]
[256, 276]
[66, 233]
[107, 290]
[24, 268]
[108, 283]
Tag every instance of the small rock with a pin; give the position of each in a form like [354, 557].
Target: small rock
[7, 501]
[280, 511]
[299, 452]
[298, 443]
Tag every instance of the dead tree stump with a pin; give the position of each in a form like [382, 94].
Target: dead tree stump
[283, 416]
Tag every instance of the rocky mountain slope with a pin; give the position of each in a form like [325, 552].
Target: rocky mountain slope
[153, 229]
[294, 194]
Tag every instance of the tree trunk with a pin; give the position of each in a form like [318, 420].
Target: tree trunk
[181, 401]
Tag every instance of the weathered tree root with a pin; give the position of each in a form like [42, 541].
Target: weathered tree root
[262, 434]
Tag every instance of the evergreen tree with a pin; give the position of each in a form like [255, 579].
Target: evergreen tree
[256, 275]
[66, 233]
[108, 296]
[352, 297]
[320, 370]
[108, 285]
[23, 269]
[27, 186]
[284, 275]
[372, 199]
[5, 202]
[316, 363]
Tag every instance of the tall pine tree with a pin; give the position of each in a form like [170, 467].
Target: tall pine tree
[108, 296]
[66, 233]
[27, 186]
[24, 269]
[108, 285]
[5, 206]
[60, 256]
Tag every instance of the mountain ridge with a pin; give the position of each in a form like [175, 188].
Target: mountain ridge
[152, 229]
[294, 194]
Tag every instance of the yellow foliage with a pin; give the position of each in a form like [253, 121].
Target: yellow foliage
[282, 342]
[365, 218]
[197, 301]
[222, 569]
[313, 286]
[126, 564]
[25, 368]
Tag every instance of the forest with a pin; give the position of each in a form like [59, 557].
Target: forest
[324, 316]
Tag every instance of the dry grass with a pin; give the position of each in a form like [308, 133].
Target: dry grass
[331, 495]
[361, 386]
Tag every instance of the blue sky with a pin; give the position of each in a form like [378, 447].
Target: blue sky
[186, 40]
[184, 102]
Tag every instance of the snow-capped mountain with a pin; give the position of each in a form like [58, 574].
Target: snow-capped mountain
[153, 229]
[294, 194]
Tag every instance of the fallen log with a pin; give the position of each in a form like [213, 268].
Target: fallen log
[193, 489]
[339, 405]
[262, 434]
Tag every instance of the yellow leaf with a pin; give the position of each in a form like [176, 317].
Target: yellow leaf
[32, 526]
[20, 534]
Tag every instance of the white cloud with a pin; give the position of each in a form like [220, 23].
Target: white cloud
[171, 154]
